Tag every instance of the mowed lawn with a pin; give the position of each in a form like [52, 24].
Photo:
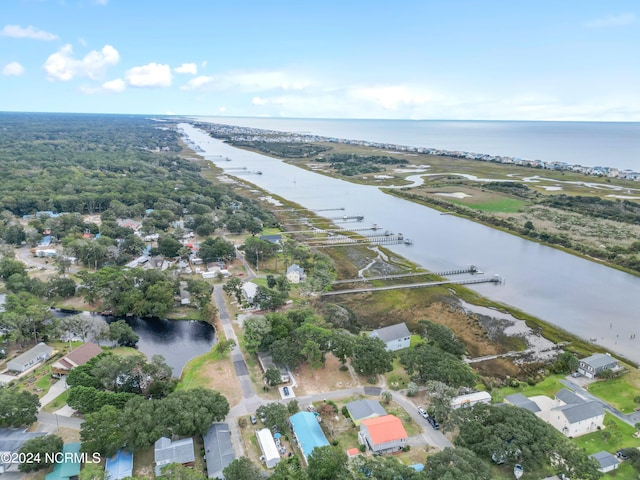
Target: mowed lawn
[619, 392]
[549, 387]
[615, 435]
[497, 205]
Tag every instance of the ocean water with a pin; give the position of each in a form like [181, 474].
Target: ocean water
[613, 144]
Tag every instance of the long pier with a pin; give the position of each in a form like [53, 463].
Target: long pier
[471, 269]
[494, 279]
[344, 240]
[358, 218]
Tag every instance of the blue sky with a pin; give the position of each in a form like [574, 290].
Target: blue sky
[422, 59]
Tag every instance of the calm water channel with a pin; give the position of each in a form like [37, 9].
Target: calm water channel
[582, 297]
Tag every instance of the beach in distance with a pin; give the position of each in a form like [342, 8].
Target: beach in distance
[612, 144]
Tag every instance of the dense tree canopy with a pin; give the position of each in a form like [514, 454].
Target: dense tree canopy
[456, 464]
[40, 449]
[242, 469]
[426, 362]
[17, 408]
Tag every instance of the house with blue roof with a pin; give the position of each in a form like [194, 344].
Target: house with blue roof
[120, 465]
[307, 432]
[69, 467]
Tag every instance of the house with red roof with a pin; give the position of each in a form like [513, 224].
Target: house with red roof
[78, 356]
[384, 434]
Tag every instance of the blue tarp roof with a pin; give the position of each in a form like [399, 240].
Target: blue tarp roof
[308, 432]
[120, 465]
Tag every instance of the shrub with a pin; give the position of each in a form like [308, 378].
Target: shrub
[362, 448]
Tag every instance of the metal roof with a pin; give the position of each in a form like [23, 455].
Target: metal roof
[308, 431]
[120, 465]
[605, 459]
[392, 332]
[582, 411]
[166, 451]
[218, 449]
[365, 409]
[519, 400]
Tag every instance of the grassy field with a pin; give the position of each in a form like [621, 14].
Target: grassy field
[619, 392]
[503, 205]
[616, 435]
[549, 387]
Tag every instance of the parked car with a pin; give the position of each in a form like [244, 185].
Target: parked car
[622, 455]
[285, 390]
[576, 374]
[253, 419]
[423, 412]
[434, 423]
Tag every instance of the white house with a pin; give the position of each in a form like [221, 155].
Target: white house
[596, 363]
[567, 412]
[249, 290]
[606, 461]
[270, 454]
[395, 337]
[384, 434]
[470, 399]
[31, 357]
[295, 274]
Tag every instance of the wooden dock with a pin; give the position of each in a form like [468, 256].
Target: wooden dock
[470, 281]
[471, 269]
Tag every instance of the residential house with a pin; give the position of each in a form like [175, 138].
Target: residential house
[384, 434]
[11, 440]
[275, 239]
[519, 400]
[470, 399]
[307, 432]
[270, 455]
[295, 274]
[567, 412]
[360, 410]
[75, 358]
[119, 466]
[179, 451]
[266, 362]
[591, 366]
[395, 337]
[574, 420]
[69, 466]
[31, 357]
[218, 449]
[607, 462]
[249, 290]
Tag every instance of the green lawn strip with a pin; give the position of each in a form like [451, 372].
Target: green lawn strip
[506, 205]
[397, 379]
[191, 373]
[409, 424]
[57, 403]
[548, 387]
[625, 471]
[618, 392]
[616, 435]
[416, 340]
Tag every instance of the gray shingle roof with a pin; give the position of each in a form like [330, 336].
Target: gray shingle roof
[31, 354]
[599, 360]
[295, 268]
[581, 411]
[11, 439]
[569, 397]
[605, 459]
[364, 409]
[166, 451]
[218, 449]
[519, 400]
[392, 332]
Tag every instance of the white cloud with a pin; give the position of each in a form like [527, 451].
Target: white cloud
[150, 75]
[197, 83]
[190, 68]
[13, 69]
[204, 64]
[102, 2]
[116, 86]
[251, 82]
[259, 101]
[16, 31]
[391, 97]
[611, 21]
[63, 66]
[222, 109]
